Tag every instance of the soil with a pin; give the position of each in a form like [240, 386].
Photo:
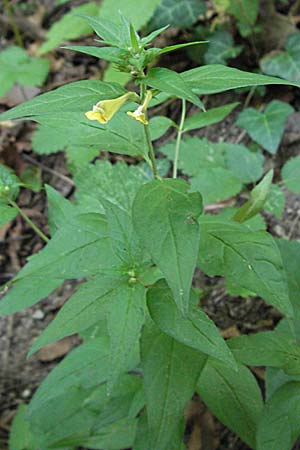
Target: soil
[19, 376]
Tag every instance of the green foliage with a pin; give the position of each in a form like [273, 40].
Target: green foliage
[181, 13]
[246, 12]
[134, 242]
[18, 67]
[221, 48]
[290, 174]
[275, 201]
[266, 127]
[286, 63]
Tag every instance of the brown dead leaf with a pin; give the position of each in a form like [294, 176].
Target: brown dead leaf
[201, 423]
[230, 332]
[55, 350]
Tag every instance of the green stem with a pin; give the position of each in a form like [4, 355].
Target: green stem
[13, 23]
[29, 221]
[178, 140]
[151, 151]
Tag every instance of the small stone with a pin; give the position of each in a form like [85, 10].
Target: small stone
[39, 315]
[26, 393]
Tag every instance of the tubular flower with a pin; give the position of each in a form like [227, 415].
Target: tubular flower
[140, 113]
[104, 110]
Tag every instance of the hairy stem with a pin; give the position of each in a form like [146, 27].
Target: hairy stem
[178, 140]
[13, 23]
[29, 221]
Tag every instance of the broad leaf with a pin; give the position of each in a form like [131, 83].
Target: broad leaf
[279, 426]
[196, 330]
[18, 67]
[181, 13]
[290, 174]
[245, 11]
[171, 83]
[210, 117]
[70, 26]
[60, 210]
[233, 397]
[286, 63]
[79, 249]
[266, 127]
[167, 209]
[245, 164]
[217, 78]
[166, 363]
[258, 197]
[249, 259]
[20, 437]
[267, 348]
[275, 201]
[221, 48]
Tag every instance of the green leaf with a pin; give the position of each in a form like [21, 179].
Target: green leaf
[181, 13]
[249, 259]
[286, 63]
[245, 11]
[7, 213]
[245, 164]
[166, 394]
[119, 434]
[233, 397]
[275, 202]
[166, 207]
[9, 185]
[279, 426]
[110, 10]
[290, 252]
[18, 67]
[290, 174]
[267, 348]
[79, 249]
[210, 117]
[171, 48]
[107, 30]
[126, 317]
[113, 55]
[70, 26]
[159, 125]
[31, 178]
[258, 197]
[215, 78]
[221, 48]
[266, 127]
[21, 437]
[172, 83]
[72, 98]
[196, 330]
[60, 210]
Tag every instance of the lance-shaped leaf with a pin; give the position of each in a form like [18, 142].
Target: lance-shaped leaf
[164, 216]
[234, 397]
[125, 319]
[196, 330]
[79, 249]
[258, 197]
[249, 259]
[266, 127]
[210, 117]
[74, 97]
[217, 78]
[171, 83]
[166, 364]
[278, 426]
[104, 28]
[113, 55]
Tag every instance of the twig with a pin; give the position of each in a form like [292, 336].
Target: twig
[13, 23]
[47, 169]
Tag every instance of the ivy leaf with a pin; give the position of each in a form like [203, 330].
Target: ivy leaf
[257, 199]
[210, 117]
[245, 11]
[266, 127]
[70, 26]
[172, 83]
[215, 78]
[290, 174]
[196, 330]
[286, 63]
[166, 394]
[278, 426]
[249, 259]
[233, 397]
[181, 13]
[18, 67]
[79, 249]
[275, 201]
[166, 207]
[221, 48]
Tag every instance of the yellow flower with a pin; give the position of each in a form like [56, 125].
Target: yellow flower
[104, 110]
[140, 113]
